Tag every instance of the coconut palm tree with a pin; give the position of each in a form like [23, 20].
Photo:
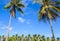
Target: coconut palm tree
[0, 38]
[22, 37]
[39, 37]
[43, 38]
[3, 38]
[16, 37]
[48, 39]
[48, 12]
[58, 39]
[13, 6]
[29, 37]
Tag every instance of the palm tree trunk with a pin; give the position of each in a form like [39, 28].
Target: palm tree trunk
[7, 34]
[52, 30]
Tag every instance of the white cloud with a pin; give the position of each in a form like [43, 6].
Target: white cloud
[22, 20]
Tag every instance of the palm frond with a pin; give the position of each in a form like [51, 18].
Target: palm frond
[54, 14]
[56, 2]
[39, 16]
[49, 14]
[56, 8]
[7, 6]
[47, 0]
[20, 10]
[15, 1]
[20, 5]
[44, 17]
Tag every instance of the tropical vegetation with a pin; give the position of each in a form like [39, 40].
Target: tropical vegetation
[50, 11]
[29, 37]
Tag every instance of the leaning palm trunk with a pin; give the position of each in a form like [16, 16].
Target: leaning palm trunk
[7, 34]
[52, 31]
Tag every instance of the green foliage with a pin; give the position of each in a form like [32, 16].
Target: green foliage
[8, 6]
[35, 37]
[15, 5]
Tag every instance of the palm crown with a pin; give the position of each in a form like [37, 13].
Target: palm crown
[49, 10]
[13, 6]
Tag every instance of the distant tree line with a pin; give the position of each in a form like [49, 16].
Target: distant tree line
[29, 37]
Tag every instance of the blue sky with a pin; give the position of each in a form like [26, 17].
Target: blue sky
[27, 24]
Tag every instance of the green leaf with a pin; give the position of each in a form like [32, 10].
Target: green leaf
[21, 5]
[7, 6]
[55, 8]
[57, 2]
[54, 14]
[49, 14]
[20, 10]
[39, 16]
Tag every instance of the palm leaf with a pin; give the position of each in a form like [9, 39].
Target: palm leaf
[57, 2]
[39, 16]
[7, 6]
[44, 17]
[56, 8]
[54, 14]
[21, 5]
[20, 10]
[49, 14]
[46, 0]
[15, 1]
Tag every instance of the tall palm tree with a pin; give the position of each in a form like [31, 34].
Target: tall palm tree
[48, 12]
[13, 6]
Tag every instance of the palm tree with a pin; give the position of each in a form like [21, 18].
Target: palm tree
[48, 39]
[35, 38]
[22, 37]
[13, 6]
[19, 38]
[16, 37]
[3, 38]
[39, 37]
[43, 38]
[28, 37]
[58, 39]
[48, 12]
[0, 38]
